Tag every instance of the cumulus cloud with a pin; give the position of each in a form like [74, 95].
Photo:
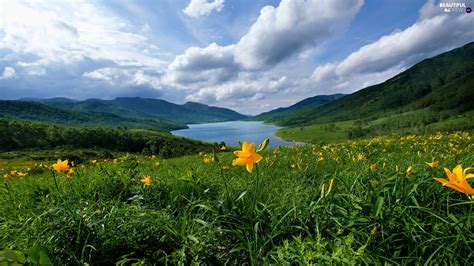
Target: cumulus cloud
[8, 73]
[206, 66]
[246, 88]
[198, 8]
[71, 31]
[434, 33]
[123, 76]
[282, 31]
[220, 72]
[421, 40]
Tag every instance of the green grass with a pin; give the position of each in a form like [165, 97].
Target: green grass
[216, 213]
[412, 122]
[331, 132]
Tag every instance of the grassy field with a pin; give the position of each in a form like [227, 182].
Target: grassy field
[383, 207]
[414, 122]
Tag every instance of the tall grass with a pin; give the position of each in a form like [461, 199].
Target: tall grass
[212, 212]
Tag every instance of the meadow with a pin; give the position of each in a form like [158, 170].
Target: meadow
[370, 201]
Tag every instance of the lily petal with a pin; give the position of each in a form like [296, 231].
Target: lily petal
[257, 157]
[458, 172]
[239, 161]
[240, 153]
[451, 176]
[245, 146]
[249, 167]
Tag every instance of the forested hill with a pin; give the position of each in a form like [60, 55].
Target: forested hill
[436, 88]
[34, 111]
[137, 107]
[311, 102]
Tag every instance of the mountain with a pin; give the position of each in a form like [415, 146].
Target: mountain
[187, 113]
[100, 106]
[140, 108]
[35, 111]
[51, 100]
[435, 94]
[281, 113]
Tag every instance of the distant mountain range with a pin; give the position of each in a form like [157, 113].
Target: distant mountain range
[437, 93]
[128, 112]
[311, 102]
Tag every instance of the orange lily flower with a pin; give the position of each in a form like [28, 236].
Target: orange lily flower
[147, 180]
[61, 166]
[247, 156]
[457, 180]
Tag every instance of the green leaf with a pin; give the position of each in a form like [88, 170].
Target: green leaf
[263, 145]
[378, 206]
[241, 195]
[38, 255]
[12, 256]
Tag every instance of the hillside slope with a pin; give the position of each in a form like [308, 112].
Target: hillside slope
[186, 113]
[311, 102]
[444, 83]
[34, 111]
[435, 94]
[139, 108]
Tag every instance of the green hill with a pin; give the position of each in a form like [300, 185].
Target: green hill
[23, 135]
[435, 94]
[97, 105]
[34, 111]
[139, 108]
[187, 113]
[312, 102]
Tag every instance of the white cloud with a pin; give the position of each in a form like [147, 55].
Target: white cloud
[124, 77]
[72, 31]
[246, 88]
[205, 66]
[282, 31]
[218, 73]
[421, 40]
[432, 34]
[198, 8]
[36, 71]
[8, 73]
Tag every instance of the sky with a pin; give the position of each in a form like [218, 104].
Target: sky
[248, 55]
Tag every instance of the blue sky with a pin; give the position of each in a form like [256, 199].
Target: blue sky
[248, 55]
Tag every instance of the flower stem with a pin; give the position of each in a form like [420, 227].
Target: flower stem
[256, 187]
[225, 180]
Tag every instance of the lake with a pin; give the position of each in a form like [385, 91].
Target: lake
[232, 132]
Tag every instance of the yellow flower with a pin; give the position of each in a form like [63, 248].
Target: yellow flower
[409, 170]
[322, 190]
[21, 174]
[433, 164]
[147, 180]
[71, 171]
[331, 184]
[361, 157]
[247, 156]
[93, 161]
[61, 166]
[208, 160]
[373, 166]
[457, 180]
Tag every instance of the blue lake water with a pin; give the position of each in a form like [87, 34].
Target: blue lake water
[232, 132]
